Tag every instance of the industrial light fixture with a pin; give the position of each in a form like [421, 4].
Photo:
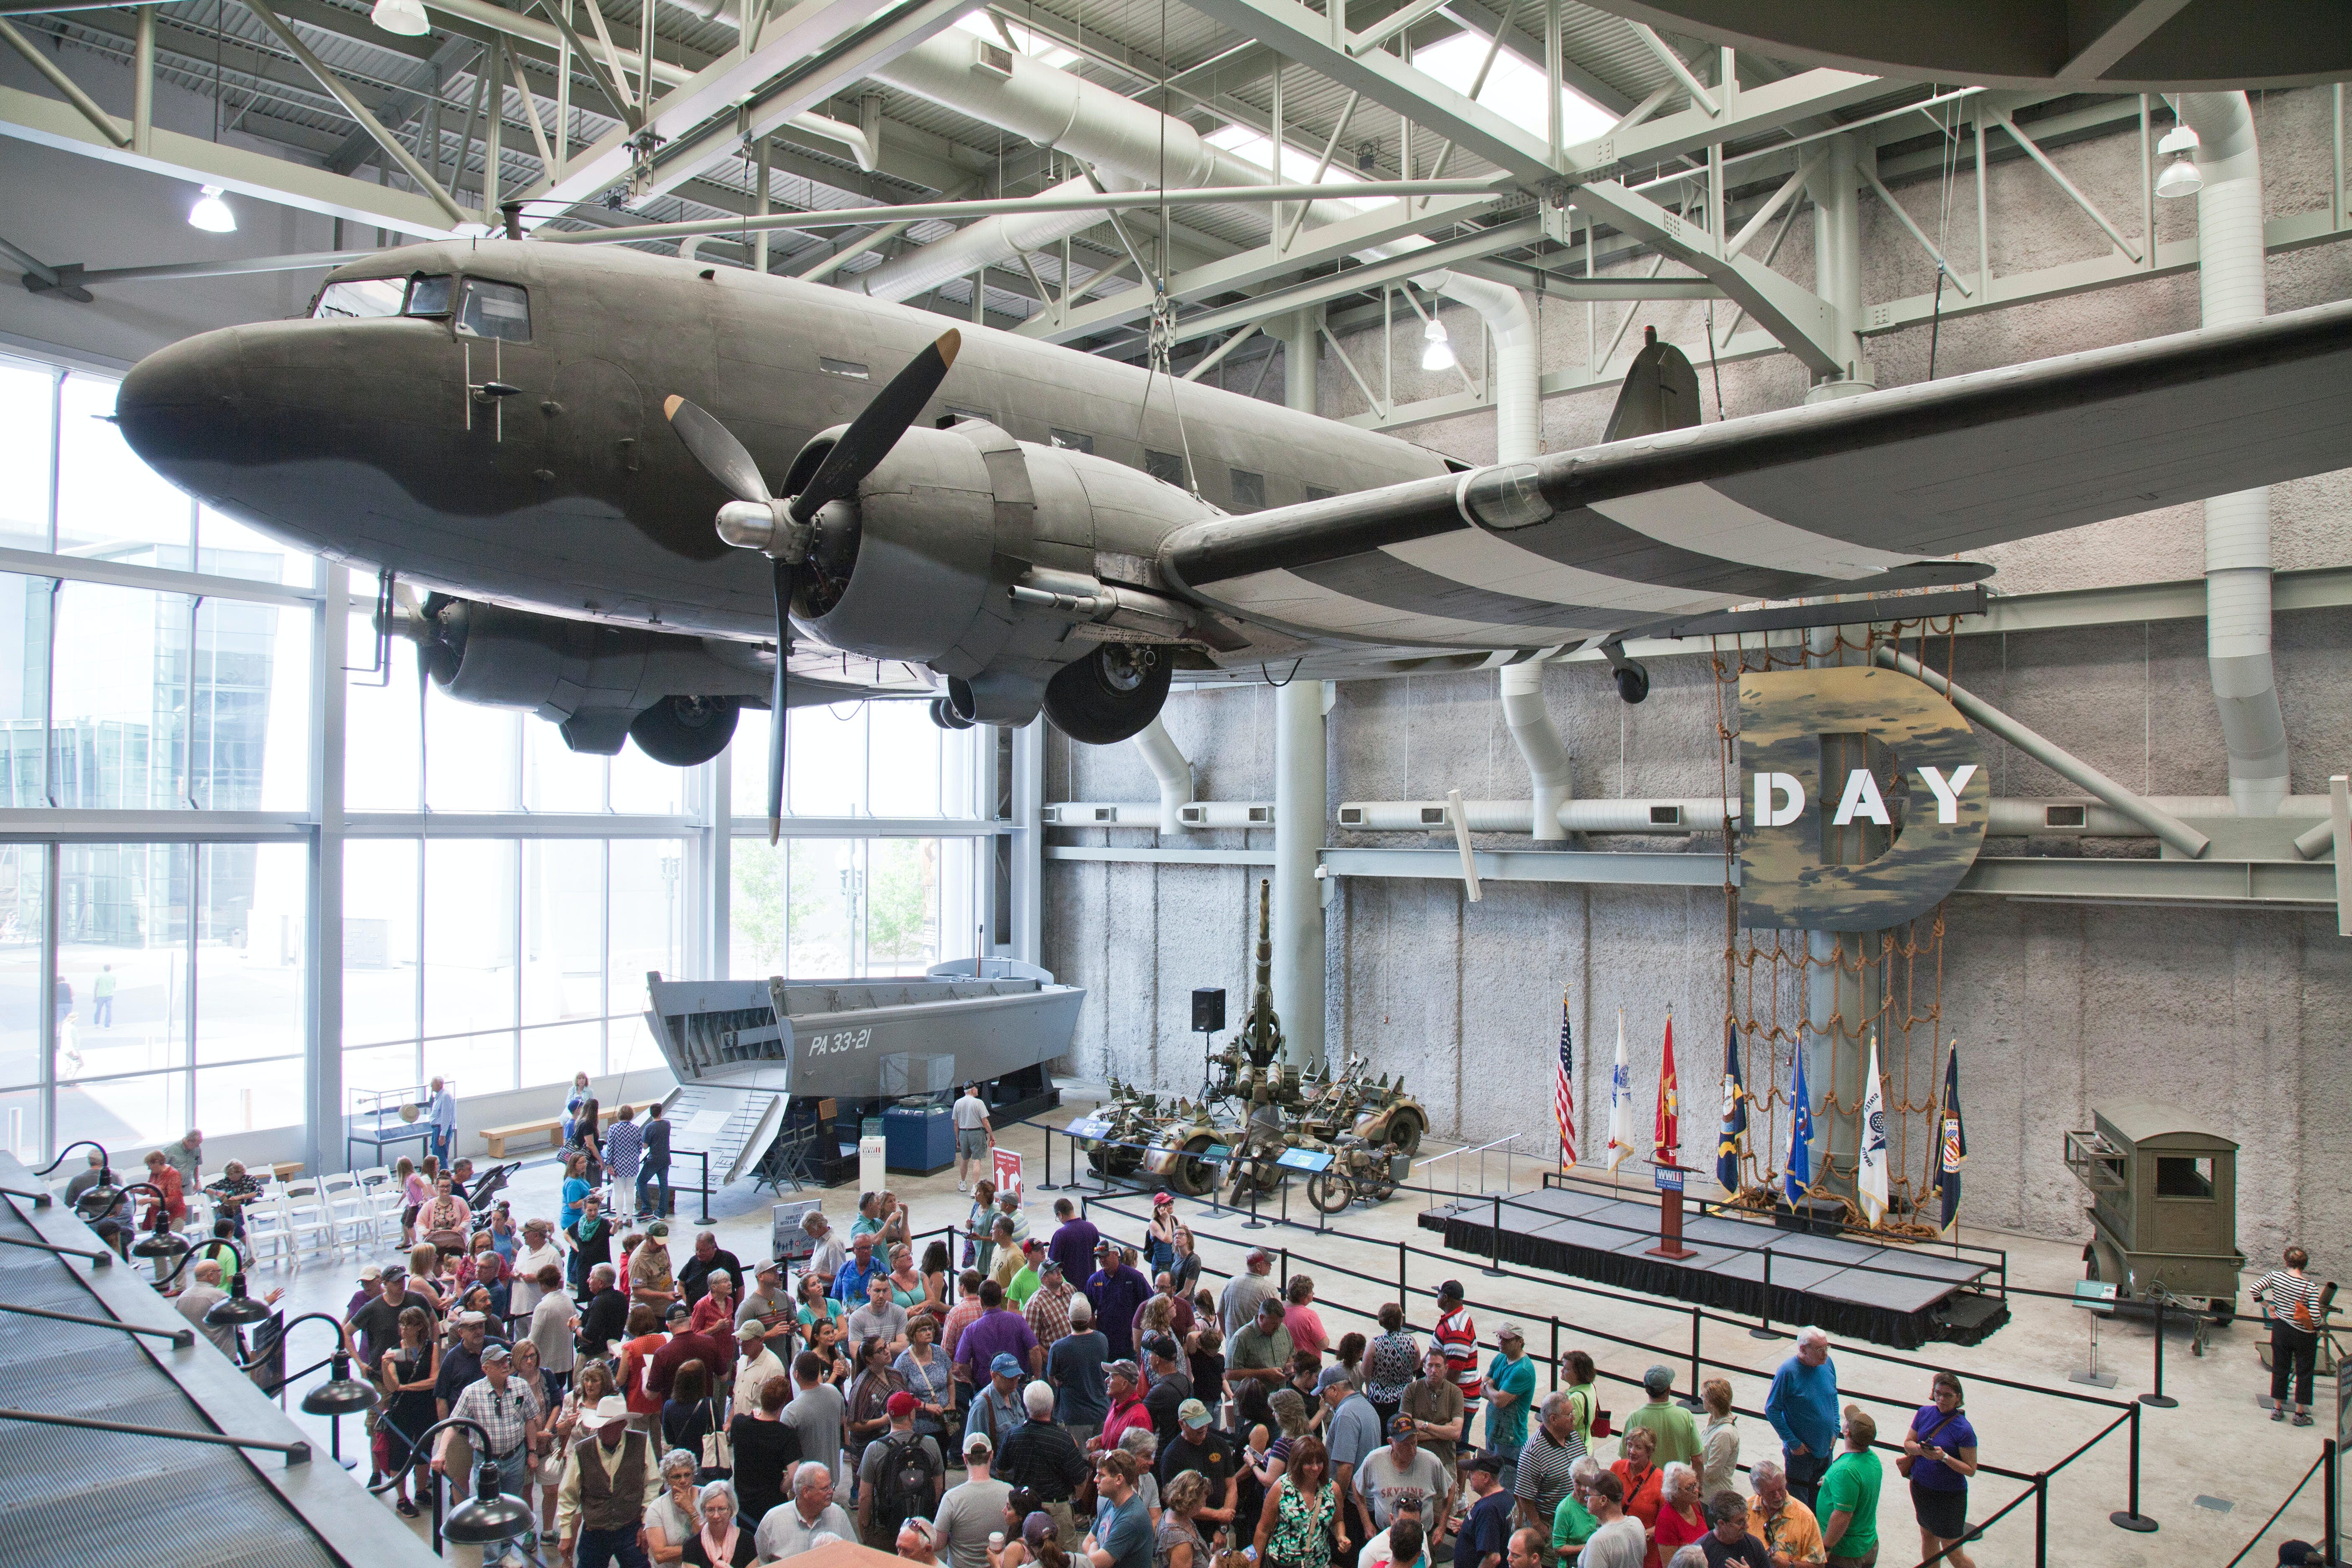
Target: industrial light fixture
[211, 214]
[2181, 177]
[405, 17]
[1436, 352]
[237, 1310]
[490, 1515]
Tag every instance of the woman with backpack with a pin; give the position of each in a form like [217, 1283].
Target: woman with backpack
[2291, 1302]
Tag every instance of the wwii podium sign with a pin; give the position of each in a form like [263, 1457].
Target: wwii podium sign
[1930, 805]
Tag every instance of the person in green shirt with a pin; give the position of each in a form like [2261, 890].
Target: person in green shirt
[1580, 1374]
[1572, 1523]
[1511, 1389]
[1026, 1280]
[1677, 1433]
[1848, 1504]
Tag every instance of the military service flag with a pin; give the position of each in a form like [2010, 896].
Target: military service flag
[1870, 1173]
[1797, 1174]
[1667, 1134]
[1620, 1103]
[1731, 1145]
[1954, 1140]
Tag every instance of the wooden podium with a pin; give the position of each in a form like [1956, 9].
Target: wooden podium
[1669, 1179]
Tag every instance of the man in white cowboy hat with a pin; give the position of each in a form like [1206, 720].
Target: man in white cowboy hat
[609, 1481]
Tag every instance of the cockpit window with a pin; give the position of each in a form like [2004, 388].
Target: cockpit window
[360, 298]
[428, 296]
[488, 309]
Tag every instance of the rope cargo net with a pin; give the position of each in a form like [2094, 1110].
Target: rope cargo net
[1768, 975]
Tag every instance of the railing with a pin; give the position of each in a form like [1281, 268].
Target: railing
[2036, 1483]
[1510, 1157]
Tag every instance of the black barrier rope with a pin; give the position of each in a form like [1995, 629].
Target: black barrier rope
[2326, 1452]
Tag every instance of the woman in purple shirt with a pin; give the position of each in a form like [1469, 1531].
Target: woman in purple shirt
[1939, 1454]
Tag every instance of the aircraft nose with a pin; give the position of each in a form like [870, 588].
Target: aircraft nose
[178, 406]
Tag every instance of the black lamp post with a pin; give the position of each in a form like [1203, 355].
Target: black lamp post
[490, 1515]
[342, 1394]
[159, 1241]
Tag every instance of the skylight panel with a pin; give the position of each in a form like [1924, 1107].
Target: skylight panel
[1514, 90]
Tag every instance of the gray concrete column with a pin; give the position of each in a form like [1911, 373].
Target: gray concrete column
[1301, 807]
[1837, 263]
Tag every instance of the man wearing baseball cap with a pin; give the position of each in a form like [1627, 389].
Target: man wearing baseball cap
[510, 1414]
[756, 1365]
[967, 1514]
[1125, 1379]
[609, 1481]
[1401, 1470]
[1117, 1290]
[899, 1477]
[997, 1409]
[1510, 1390]
[1028, 1277]
[1198, 1446]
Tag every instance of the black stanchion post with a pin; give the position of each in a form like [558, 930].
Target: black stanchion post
[2160, 1399]
[2041, 1519]
[1763, 1329]
[1253, 1222]
[2131, 1518]
[1691, 1401]
[1494, 1239]
[1047, 1184]
[1404, 1300]
[2329, 1459]
[1555, 1354]
[1285, 1276]
[705, 1217]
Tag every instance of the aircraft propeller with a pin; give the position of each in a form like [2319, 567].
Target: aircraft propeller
[784, 528]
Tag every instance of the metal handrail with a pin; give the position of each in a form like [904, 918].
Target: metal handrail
[1510, 1159]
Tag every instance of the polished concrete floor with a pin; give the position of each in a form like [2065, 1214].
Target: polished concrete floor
[2212, 1469]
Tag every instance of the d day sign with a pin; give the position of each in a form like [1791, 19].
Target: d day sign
[1936, 807]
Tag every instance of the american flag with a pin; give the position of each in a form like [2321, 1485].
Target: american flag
[1563, 1094]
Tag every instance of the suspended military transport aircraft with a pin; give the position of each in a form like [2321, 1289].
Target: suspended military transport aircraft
[623, 475]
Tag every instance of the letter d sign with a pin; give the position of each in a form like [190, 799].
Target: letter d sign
[1940, 788]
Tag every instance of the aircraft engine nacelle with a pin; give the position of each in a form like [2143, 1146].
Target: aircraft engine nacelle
[601, 685]
[1022, 573]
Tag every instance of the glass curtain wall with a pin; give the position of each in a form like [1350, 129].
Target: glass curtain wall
[503, 897]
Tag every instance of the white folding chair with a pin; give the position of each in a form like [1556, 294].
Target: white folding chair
[308, 1218]
[346, 1206]
[268, 1227]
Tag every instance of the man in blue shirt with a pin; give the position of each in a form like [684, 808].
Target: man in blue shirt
[849, 1284]
[1803, 1409]
[1121, 1536]
[1487, 1535]
[1511, 1389]
[443, 1115]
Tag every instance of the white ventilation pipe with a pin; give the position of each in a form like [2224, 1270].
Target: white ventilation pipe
[1661, 815]
[984, 242]
[1516, 373]
[1053, 107]
[2230, 283]
[1161, 754]
[1540, 745]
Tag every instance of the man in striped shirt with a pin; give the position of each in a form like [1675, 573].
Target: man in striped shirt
[1458, 1338]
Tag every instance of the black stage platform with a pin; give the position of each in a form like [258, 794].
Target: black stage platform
[1887, 1295]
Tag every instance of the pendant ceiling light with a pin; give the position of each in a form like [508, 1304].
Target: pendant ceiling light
[1436, 352]
[211, 214]
[405, 17]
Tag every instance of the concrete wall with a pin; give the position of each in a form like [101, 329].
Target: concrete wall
[2235, 1013]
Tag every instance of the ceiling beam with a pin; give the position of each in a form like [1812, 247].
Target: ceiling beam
[2123, 26]
[1298, 34]
[1382, 225]
[46, 122]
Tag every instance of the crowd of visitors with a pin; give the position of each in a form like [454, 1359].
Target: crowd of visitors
[1028, 1398]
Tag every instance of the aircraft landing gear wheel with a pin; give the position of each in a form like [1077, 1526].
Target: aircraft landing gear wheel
[1633, 682]
[1329, 1191]
[944, 715]
[1109, 695]
[685, 732]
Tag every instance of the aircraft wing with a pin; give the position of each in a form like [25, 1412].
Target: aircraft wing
[1862, 493]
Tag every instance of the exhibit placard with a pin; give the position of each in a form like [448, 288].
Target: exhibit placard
[1667, 1178]
[1305, 1159]
[1089, 1126]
